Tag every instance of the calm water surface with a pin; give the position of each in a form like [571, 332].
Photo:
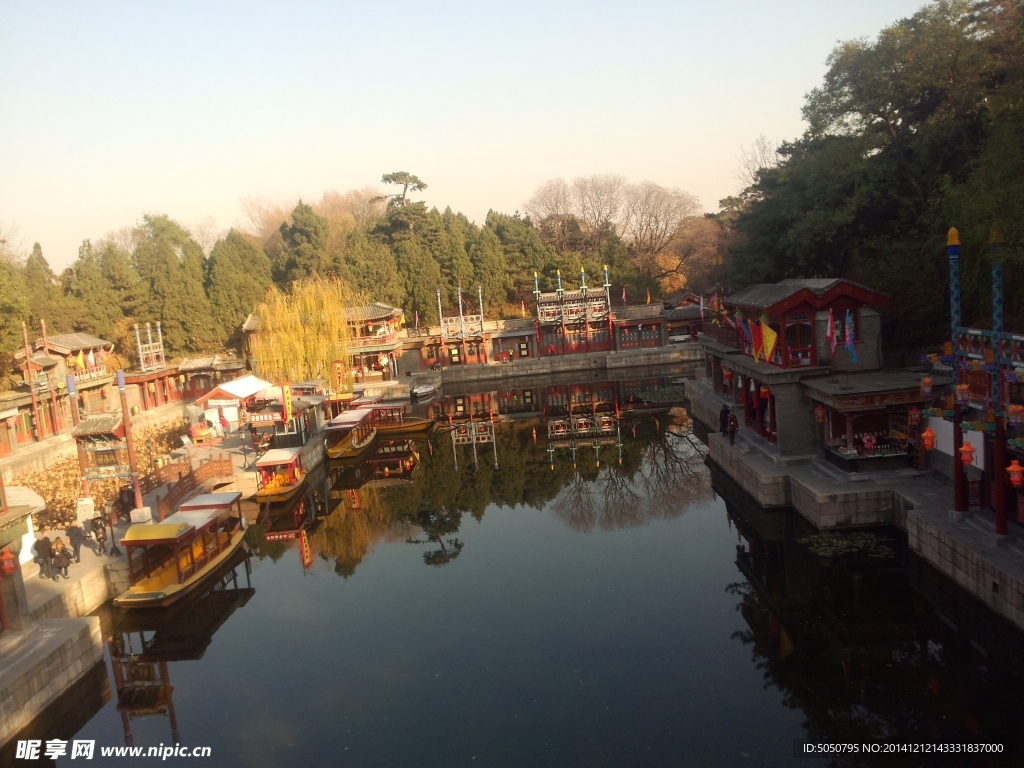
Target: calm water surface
[608, 614]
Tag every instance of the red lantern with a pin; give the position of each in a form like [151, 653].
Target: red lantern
[727, 375]
[967, 454]
[765, 391]
[819, 413]
[914, 416]
[929, 439]
[8, 560]
[1016, 473]
[926, 386]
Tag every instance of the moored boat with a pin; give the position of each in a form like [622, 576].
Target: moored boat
[423, 391]
[169, 559]
[392, 422]
[350, 435]
[280, 474]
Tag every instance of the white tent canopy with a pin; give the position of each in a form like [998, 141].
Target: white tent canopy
[239, 389]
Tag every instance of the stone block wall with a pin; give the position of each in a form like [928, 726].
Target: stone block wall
[769, 489]
[80, 598]
[40, 664]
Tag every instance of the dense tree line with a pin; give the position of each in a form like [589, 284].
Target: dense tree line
[387, 248]
[911, 133]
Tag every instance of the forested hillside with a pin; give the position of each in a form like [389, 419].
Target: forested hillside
[911, 133]
[386, 247]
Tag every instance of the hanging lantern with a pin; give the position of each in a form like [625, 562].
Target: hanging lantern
[819, 413]
[765, 391]
[1016, 473]
[727, 375]
[926, 386]
[967, 454]
[8, 560]
[152, 388]
[181, 379]
[928, 437]
[914, 416]
[963, 394]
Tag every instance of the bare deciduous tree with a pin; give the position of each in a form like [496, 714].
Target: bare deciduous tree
[696, 249]
[762, 153]
[597, 200]
[10, 243]
[206, 233]
[264, 217]
[652, 214]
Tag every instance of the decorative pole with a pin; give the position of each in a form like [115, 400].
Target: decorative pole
[160, 341]
[440, 319]
[138, 343]
[58, 419]
[959, 470]
[561, 307]
[31, 384]
[462, 327]
[483, 336]
[586, 310]
[536, 300]
[999, 438]
[126, 417]
[76, 417]
[608, 308]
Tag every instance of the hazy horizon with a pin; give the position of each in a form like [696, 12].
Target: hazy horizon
[118, 109]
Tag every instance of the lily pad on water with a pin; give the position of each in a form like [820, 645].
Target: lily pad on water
[832, 544]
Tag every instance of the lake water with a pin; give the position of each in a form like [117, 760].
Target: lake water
[523, 611]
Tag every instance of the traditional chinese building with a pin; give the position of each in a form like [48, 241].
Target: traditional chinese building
[800, 362]
[569, 322]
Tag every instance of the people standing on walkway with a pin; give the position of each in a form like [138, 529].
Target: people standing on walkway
[61, 558]
[99, 530]
[723, 420]
[44, 551]
[734, 427]
[75, 536]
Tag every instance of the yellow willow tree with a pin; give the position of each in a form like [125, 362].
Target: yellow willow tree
[302, 333]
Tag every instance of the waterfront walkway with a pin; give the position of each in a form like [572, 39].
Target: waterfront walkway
[962, 546]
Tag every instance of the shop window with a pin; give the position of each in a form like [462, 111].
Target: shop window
[524, 349]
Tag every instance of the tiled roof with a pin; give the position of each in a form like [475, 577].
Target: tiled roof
[98, 425]
[638, 312]
[375, 311]
[764, 295]
[688, 312]
[72, 342]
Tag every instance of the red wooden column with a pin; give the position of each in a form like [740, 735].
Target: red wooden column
[758, 420]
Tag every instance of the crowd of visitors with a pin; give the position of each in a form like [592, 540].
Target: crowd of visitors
[55, 556]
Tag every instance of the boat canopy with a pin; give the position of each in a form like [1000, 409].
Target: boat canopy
[154, 533]
[279, 456]
[208, 501]
[349, 419]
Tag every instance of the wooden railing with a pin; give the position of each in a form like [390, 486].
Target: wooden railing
[187, 480]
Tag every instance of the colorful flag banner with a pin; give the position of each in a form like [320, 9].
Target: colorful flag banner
[849, 336]
[770, 338]
[831, 334]
[623, 295]
[745, 328]
[648, 295]
[758, 340]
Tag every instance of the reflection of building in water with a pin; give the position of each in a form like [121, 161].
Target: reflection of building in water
[839, 623]
[144, 642]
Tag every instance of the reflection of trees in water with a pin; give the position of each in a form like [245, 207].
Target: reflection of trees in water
[662, 475]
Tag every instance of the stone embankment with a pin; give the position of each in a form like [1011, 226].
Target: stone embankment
[593, 361]
[963, 547]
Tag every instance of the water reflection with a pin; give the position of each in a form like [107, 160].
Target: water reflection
[852, 638]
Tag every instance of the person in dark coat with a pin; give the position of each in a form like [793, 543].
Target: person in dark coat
[734, 427]
[44, 551]
[75, 536]
[723, 420]
[61, 559]
[99, 530]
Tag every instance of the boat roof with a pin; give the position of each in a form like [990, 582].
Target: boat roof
[278, 456]
[173, 528]
[209, 501]
[352, 418]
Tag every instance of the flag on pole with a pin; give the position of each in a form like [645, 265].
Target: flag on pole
[522, 306]
[648, 295]
[831, 334]
[417, 320]
[745, 328]
[623, 295]
[80, 361]
[755, 334]
[701, 307]
[770, 337]
[849, 336]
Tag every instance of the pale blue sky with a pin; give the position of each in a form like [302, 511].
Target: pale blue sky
[114, 109]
